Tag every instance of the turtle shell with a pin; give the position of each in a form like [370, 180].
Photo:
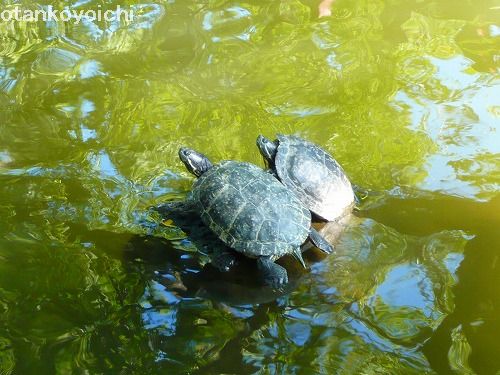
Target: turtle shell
[250, 210]
[314, 176]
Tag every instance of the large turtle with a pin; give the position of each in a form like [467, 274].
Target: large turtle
[312, 174]
[251, 212]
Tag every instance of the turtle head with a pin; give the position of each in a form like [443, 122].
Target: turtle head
[267, 149]
[195, 162]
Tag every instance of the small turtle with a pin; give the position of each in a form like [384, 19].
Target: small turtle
[251, 212]
[311, 173]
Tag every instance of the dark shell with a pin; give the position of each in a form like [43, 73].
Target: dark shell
[250, 210]
[314, 176]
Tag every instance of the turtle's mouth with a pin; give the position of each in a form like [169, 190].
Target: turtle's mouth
[184, 153]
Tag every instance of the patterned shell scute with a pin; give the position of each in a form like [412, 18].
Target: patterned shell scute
[315, 177]
[250, 210]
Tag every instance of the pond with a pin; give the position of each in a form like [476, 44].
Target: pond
[405, 94]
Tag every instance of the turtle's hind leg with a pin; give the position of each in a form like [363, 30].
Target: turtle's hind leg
[273, 274]
[319, 241]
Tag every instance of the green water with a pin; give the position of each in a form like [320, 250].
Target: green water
[405, 94]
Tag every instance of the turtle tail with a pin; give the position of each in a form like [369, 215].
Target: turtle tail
[297, 254]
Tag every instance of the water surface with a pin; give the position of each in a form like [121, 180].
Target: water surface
[404, 94]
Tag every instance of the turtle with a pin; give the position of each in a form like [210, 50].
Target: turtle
[250, 212]
[311, 173]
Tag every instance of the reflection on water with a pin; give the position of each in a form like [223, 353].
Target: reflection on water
[404, 94]
[477, 297]
[374, 307]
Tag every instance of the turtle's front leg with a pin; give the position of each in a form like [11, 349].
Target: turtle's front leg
[273, 274]
[224, 260]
